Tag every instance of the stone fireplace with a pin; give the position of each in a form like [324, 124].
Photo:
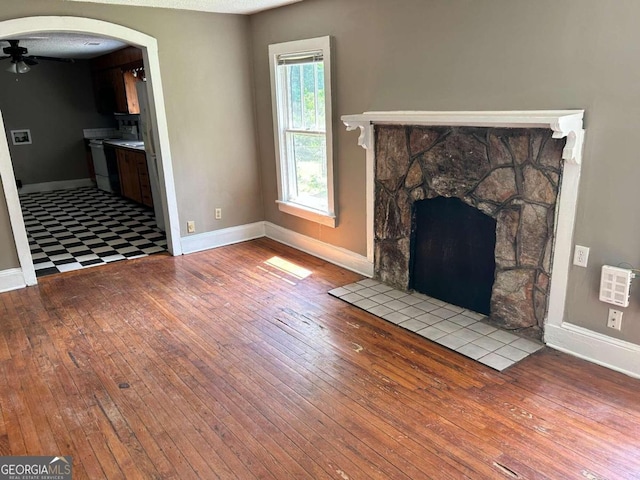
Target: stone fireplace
[511, 175]
[511, 166]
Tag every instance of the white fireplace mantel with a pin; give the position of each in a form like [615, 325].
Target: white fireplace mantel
[564, 124]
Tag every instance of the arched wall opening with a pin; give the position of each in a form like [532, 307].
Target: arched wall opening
[149, 46]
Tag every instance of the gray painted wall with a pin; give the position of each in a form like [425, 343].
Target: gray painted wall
[206, 74]
[481, 55]
[55, 101]
[8, 255]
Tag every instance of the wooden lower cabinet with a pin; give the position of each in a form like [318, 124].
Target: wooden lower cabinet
[134, 176]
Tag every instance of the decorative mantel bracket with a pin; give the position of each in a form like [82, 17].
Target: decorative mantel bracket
[563, 123]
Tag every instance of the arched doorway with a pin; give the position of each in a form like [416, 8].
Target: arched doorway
[149, 47]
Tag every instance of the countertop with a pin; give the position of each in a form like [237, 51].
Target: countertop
[131, 144]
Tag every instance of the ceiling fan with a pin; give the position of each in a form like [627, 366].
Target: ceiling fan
[21, 62]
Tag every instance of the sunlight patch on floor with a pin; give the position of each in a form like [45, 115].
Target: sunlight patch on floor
[288, 267]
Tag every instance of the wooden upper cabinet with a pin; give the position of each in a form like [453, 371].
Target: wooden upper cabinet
[114, 83]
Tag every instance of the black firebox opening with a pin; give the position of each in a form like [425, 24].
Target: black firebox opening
[453, 253]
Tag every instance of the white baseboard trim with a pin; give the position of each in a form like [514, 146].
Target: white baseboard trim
[60, 185]
[227, 236]
[336, 255]
[220, 238]
[11, 279]
[595, 347]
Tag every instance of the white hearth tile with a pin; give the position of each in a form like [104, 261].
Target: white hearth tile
[367, 292]
[428, 319]
[381, 287]
[432, 333]
[351, 297]
[451, 341]
[496, 362]
[396, 294]
[453, 308]
[488, 343]
[443, 313]
[447, 326]
[411, 300]
[339, 292]
[365, 303]
[511, 353]
[379, 311]
[462, 320]
[435, 301]
[353, 287]
[426, 306]
[421, 296]
[502, 336]
[472, 351]
[474, 315]
[395, 317]
[396, 304]
[526, 345]
[381, 298]
[466, 334]
[412, 311]
[369, 282]
[482, 328]
[413, 325]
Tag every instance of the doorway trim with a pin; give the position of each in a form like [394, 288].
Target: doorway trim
[149, 46]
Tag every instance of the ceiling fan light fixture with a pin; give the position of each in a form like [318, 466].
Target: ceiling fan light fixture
[22, 67]
[18, 67]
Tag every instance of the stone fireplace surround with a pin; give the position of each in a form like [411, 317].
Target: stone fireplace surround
[508, 165]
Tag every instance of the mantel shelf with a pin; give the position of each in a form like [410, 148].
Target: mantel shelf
[563, 123]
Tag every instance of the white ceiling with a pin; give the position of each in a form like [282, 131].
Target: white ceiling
[245, 7]
[66, 45]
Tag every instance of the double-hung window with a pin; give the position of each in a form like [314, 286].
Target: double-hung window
[301, 96]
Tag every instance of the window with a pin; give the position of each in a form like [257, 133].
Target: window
[301, 96]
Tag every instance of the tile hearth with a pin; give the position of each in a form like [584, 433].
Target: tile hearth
[454, 327]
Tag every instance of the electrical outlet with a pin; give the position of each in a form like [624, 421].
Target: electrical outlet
[615, 319]
[191, 226]
[218, 213]
[581, 256]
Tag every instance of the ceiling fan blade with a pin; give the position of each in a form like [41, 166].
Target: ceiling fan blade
[29, 61]
[54, 59]
[4, 58]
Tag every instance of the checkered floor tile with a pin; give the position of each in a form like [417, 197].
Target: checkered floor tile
[74, 229]
[454, 327]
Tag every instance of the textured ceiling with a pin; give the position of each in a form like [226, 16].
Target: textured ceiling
[66, 45]
[245, 7]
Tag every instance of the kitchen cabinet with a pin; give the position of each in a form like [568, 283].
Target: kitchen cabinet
[134, 176]
[114, 82]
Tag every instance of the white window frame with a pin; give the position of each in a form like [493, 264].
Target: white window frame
[323, 44]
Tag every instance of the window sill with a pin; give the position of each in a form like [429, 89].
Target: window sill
[307, 213]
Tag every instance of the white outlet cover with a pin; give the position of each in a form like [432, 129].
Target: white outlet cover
[581, 256]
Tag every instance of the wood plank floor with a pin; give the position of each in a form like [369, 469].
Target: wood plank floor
[219, 365]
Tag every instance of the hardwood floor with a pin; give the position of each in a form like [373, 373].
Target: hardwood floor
[218, 365]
